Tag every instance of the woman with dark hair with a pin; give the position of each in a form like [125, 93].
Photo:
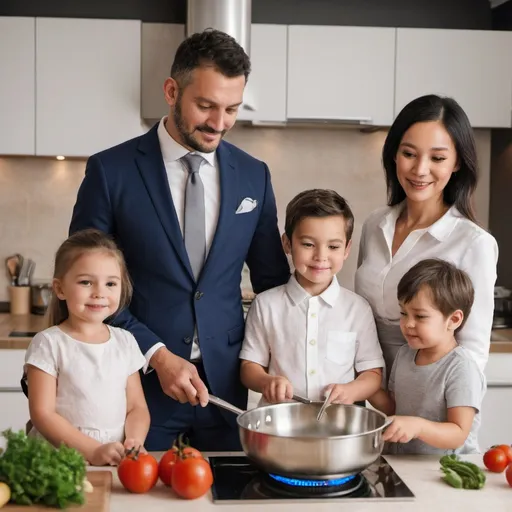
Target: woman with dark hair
[431, 173]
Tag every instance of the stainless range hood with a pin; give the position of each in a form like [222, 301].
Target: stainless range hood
[230, 16]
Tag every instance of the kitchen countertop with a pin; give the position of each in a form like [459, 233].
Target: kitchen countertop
[501, 339]
[25, 323]
[420, 473]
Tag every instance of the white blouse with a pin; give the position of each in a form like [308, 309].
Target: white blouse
[91, 378]
[452, 238]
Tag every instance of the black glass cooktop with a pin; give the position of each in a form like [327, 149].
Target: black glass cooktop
[236, 479]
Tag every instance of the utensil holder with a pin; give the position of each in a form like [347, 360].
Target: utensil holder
[20, 300]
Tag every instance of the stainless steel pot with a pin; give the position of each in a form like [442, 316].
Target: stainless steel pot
[286, 439]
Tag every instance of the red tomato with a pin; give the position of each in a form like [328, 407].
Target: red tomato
[169, 458]
[191, 478]
[507, 449]
[138, 472]
[495, 460]
[508, 474]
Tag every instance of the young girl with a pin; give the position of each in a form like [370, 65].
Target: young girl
[84, 389]
[435, 386]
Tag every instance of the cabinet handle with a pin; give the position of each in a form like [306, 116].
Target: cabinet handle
[11, 390]
[332, 120]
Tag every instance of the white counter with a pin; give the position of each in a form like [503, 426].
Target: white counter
[420, 473]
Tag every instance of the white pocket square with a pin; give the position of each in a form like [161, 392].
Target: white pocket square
[247, 205]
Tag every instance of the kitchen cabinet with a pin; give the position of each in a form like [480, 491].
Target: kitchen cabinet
[159, 44]
[343, 74]
[17, 87]
[14, 407]
[496, 425]
[13, 403]
[472, 66]
[88, 84]
[266, 88]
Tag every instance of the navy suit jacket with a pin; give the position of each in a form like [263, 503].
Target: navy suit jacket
[126, 193]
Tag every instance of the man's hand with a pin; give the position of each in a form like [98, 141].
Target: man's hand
[403, 429]
[179, 378]
[277, 389]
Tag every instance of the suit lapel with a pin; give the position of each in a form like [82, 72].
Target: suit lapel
[152, 170]
[229, 201]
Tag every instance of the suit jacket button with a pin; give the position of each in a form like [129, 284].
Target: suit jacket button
[187, 340]
[198, 295]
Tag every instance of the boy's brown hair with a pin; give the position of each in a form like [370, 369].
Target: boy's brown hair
[450, 288]
[318, 203]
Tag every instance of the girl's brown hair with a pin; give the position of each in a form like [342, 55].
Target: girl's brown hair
[72, 249]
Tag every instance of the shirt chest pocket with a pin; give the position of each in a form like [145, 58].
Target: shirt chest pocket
[341, 347]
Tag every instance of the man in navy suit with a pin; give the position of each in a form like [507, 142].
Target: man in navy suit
[188, 209]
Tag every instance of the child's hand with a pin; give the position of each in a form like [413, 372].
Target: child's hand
[341, 394]
[277, 389]
[134, 443]
[110, 453]
[403, 429]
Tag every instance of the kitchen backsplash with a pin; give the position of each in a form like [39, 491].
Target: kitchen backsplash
[37, 195]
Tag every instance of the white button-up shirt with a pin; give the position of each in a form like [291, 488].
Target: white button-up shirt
[452, 238]
[177, 175]
[312, 341]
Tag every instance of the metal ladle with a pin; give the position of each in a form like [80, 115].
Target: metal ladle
[326, 404]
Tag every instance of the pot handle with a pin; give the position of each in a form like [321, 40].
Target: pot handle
[302, 399]
[224, 405]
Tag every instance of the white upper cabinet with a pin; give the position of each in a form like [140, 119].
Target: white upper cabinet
[88, 84]
[341, 74]
[159, 44]
[474, 67]
[17, 86]
[266, 89]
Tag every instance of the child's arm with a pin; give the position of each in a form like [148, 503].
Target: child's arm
[274, 388]
[137, 416]
[364, 386]
[42, 393]
[384, 401]
[448, 435]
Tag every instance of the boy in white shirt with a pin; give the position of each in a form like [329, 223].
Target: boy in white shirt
[312, 337]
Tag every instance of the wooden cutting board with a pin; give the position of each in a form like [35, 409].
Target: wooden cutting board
[96, 501]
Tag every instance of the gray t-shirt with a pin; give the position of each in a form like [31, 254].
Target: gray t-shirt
[428, 391]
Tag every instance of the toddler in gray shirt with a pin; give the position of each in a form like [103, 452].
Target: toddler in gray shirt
[435, 388]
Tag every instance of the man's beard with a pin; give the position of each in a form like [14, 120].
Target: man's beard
[188, 137]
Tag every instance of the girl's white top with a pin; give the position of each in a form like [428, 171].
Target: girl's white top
[91, 378]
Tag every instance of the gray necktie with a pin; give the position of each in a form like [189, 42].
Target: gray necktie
[194, 223]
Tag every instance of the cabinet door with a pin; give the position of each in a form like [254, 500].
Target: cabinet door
[17, 86]
[496, 427]
[341, 74]
[14, 407]
[266, 88]
[159, 44]
[472, 66]
[88, 84]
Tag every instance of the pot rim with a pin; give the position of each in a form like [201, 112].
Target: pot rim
[310, 438]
